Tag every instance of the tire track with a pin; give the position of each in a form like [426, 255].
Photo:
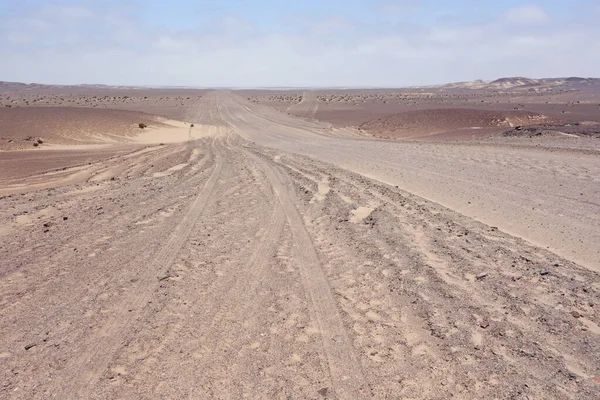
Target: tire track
[346, 373]
[85, 370]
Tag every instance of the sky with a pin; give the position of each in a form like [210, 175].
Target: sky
[296, 43]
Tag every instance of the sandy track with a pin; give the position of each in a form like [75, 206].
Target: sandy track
[224, 268]
[545, 197]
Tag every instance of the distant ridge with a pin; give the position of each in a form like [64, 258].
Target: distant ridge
[523, 83]
[507, 83]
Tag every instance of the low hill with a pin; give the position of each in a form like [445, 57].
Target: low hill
[421, 123]
[21, 127]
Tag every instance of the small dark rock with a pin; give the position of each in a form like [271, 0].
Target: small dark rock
[576, 314]
[481, 275]
[544, 272]
[30, 346]
[65, 218]
[323, 392]
[484, 324]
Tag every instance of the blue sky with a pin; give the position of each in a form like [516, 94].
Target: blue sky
[256, 43]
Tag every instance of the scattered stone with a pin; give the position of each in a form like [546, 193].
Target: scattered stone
[337, 338]
[30, 346]
[65, 218]
[544, 272]
[481, 275]
[323, 392]
[164, 277]
[484, 324]
[573, 375]
[527, 353]
[576, 314]
[47, 225]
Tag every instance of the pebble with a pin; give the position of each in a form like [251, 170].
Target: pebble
[544, 272]
[481, 275]
[323, 392]
[575, 314]
[30, 346]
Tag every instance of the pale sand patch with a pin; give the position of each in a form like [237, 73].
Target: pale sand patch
[360, 214]
[176, 132]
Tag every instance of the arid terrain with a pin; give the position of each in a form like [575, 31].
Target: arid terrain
[420, 243]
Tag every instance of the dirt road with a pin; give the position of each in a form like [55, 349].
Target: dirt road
[279, 258]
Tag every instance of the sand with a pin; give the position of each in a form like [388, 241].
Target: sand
[262, 254]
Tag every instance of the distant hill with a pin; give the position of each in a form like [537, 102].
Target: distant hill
[522, 83]
[9, 87]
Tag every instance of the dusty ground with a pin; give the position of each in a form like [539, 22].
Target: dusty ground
[276, 256]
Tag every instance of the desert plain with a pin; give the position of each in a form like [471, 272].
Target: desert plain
[420, 243]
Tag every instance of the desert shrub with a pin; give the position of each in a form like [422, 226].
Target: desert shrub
[191, 125]
[142, 125]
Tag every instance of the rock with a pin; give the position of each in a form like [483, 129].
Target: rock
[164, 277]
[65, 218]
[544, 272]
[30, 346]
[337, 338]
[484, 324]
[481, 275]
[576, 314]
[323, 392]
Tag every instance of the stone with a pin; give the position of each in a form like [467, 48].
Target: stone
[482, 275]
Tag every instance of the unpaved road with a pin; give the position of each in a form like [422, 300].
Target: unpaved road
[264, 261]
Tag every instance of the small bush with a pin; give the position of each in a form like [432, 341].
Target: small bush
[142, 125]
[192, 125]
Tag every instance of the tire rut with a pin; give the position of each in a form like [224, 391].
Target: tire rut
[345, 370]
[85, 370]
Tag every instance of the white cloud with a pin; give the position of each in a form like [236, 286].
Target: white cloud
[527, 14]
[330, 51]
